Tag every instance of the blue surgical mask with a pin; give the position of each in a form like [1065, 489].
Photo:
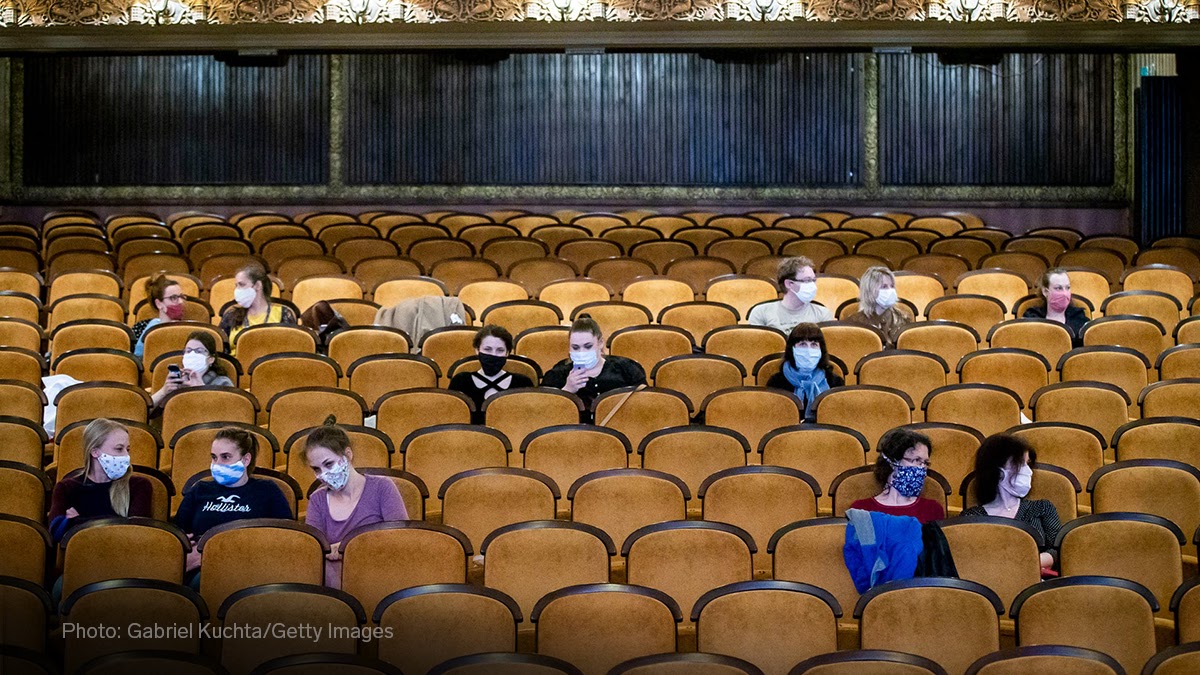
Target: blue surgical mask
[806, 358]
[585, 360]
[908, 480]
[227, 474]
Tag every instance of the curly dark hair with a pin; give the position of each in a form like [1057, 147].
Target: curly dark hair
[892, 446]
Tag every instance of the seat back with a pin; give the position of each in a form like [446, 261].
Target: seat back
[1112, 616]
[621, 501]
[1135, 546]
[759, 500]
[529, 560]
[686, 559]
[428, 627]
[247, 553]
[987, 408]
[950, 621]
[381, 559]
[999, 553]
[436, 453]
[597, 626]
[870, 410]
[480, 501]
[693, 453]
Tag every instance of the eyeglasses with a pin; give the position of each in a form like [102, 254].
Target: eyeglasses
[201, 351]
[916, 462]
[174, 298]
[806, 280]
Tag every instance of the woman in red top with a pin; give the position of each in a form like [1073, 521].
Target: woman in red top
[901, 468]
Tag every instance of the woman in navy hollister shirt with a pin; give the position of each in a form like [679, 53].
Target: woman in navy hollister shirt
[232, 494]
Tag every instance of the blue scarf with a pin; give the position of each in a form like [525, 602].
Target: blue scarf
[806, 385]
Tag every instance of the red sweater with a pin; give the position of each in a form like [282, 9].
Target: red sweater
[924, 510]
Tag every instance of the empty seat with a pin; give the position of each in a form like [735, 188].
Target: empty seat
[999, 553]
[980, 312]
[915, 373]
[565, 453]
[987, 408]
[868, 661]
[1176, 438]
[1162, 487]
[1112, 616]
[290, 604]
[759, 500]
[958, 620]
[1100, 406]
[686, 559]
[428, 627]
[597, 626]
[479, 501]
[693, 453]
[870, 410]
[1168, 398]
[1138, 547]
[529, 560]
[753, 412]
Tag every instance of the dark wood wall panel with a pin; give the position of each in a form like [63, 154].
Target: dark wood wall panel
[175, 120]
[1033, 119]
[605, 119]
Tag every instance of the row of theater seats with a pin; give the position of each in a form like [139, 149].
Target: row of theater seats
[692, 460]
[566, 590]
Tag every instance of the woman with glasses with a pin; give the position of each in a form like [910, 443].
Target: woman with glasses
[900, 470]
[200, 368]
[168, 298]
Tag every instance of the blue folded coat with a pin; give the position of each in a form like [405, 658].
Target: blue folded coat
[881, 548]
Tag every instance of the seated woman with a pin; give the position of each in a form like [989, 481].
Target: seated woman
[107, 487]
[901, 468]
[878, 305]
[1003, 477]
[254, 306]
[493, 345]
[348, 499]
[232, 494]
[200, 368]
[325, 321]
[806, 370]
[797, 278]
[1055, 287]
[168, 299]
[588, 372]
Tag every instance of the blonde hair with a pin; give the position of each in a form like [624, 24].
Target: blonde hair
[94, 434]
[869, 286]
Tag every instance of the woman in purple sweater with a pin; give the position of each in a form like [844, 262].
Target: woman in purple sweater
[348, 499]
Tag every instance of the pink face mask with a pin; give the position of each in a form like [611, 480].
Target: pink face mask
[1058, 301]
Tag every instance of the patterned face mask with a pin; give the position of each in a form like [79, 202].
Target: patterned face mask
[227, 474]
[337, 477]
[908, 480]
[114, 466]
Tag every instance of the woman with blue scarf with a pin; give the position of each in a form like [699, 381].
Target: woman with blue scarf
[806, 371]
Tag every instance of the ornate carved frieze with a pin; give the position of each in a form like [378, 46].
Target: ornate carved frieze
[28, 13]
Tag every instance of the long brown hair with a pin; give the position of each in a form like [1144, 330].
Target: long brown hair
[94, 435]
[254, 271]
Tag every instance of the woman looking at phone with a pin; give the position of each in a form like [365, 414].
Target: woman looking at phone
[588, 372]
[200, 368]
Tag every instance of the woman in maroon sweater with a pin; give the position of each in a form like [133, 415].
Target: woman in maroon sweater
[901, 468]
[107, 486]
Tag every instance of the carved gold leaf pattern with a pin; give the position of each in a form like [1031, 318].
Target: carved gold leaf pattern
[32, 13]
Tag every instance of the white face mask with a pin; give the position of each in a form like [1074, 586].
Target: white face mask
[197, 363]
[805, 291]
[1018, 484]
[114, 466]
[887, 297]
[584, 360]
[244, 297]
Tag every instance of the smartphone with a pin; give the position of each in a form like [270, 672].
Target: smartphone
[174, 372]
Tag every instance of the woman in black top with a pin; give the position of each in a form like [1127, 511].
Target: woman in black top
[493, 345]
[806, 371]
[1003, 477]
[1056, 289]
[588, 372]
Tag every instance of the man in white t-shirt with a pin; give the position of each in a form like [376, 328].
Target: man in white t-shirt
[798, 281]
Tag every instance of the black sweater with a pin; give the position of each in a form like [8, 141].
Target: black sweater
[617, 372]
[207, 504]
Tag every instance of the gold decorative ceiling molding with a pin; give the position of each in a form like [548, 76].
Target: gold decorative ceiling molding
[62, 13]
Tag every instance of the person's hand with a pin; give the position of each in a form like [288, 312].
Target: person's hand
[191, 379]
[335, 553]
[193, 556]
[576, 380]
[1046, 560]
[72, 513]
